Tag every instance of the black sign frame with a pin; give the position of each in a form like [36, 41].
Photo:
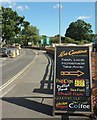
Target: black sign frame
[59, 99]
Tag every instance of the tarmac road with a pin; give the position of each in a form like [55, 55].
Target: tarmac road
[30, 96]
[12, 66]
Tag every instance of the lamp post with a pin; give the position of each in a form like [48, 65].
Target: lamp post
[59, 21]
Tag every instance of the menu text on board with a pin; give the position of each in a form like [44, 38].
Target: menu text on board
[72, 79]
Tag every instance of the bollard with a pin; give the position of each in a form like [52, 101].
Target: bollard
[13, 54]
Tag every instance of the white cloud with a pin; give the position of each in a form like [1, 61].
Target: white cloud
[6, 1]
[84, 17]
[54, 6]
[10, 6]
[12, 3]
[21, 8]
[26, 7]
[57, 6]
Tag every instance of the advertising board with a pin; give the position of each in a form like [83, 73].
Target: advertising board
[72, 79]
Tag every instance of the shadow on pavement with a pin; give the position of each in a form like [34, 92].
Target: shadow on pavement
[41, 108]
[30, 104]
[46, 87]
[46, 84]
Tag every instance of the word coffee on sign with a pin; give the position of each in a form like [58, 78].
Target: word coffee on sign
[82, 106]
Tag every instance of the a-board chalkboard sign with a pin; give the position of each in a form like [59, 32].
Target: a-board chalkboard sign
[72, 82]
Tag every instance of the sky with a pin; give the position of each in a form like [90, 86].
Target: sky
[96, 18]
[45, 15]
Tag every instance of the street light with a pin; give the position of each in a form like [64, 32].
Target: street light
[59, 21]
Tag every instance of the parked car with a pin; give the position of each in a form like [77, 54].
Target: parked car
[0, 52]
[9, 51]
[4, 52]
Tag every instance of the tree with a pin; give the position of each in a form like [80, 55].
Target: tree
[16, 29]
[11, 24]
[69, 40]
[55, 39]
[30, 34]
[79, 30]
[0, 27]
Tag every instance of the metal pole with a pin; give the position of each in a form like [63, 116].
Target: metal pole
[59, 21]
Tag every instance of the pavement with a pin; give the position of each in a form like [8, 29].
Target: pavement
[30, 96]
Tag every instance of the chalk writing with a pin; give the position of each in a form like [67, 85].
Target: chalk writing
[77, 89]
[70, 93]
[63, 87]
[79, 105]
[72, 79]
[72, 52]
[63, 81]
[62, 105]
[73, 98]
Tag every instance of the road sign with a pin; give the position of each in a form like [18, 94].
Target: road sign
[72, 81]
[42, 41]
[29, 43]
[47, 41]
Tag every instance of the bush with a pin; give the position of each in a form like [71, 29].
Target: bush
[69, 40]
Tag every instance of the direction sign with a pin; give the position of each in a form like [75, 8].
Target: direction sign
[42, 41]
[47, 41]
[72, 81]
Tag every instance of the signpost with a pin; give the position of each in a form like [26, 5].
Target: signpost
[47, 41]
[72, 82]
[29, 43]
[42, 42]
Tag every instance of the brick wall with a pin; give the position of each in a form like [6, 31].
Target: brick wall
[94, 76]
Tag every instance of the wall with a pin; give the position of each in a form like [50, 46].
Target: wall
[94, 76]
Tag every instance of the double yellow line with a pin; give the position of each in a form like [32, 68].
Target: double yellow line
[17, 75]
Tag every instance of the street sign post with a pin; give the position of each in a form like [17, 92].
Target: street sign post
[47, 41]
[72, 80]
[29, 43]
[42, 41]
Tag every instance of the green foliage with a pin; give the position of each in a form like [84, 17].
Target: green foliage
[54, 39]
[84, 42]
[69, 40]
[0, 22]
[11, 23]
[16, 30]
[79, 30]
[29, 34]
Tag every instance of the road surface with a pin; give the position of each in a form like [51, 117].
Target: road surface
[30, 95]
[12, 66]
